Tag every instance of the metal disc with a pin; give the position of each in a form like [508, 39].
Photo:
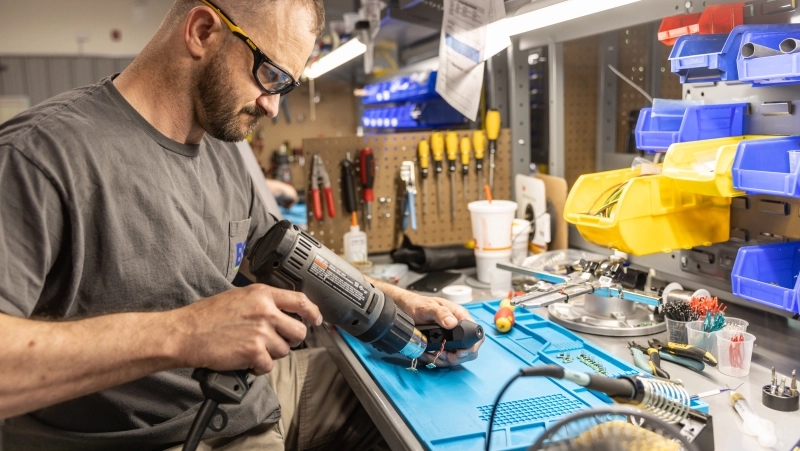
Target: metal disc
[574, 316]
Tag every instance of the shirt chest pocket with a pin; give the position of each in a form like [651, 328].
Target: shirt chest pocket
[237, 241]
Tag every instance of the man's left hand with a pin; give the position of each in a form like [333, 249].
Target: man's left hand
[427, 310]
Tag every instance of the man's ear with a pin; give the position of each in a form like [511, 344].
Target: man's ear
[202, 30]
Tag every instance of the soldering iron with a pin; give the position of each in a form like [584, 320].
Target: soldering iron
[288, 258]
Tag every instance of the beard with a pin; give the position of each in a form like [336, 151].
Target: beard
[220, 117]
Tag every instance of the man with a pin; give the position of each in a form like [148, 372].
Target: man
[122, 206]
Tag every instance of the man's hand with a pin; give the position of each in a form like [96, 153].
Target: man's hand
[428, 310]
[243, 328]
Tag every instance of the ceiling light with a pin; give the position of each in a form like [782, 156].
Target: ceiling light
[336, 58]
[558, 13]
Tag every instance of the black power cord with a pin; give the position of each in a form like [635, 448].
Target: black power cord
[224, 387]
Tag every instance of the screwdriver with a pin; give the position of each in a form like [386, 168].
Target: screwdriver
[479, 144]
[451, 144]
[349, 186]
[424, 162]
[465, 149]
[492, 132]
[367, 182]
[437, 146]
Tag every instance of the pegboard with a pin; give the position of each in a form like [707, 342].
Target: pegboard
[390, 150]
[580, 108]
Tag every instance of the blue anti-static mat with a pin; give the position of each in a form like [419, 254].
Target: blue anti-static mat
[448, 409]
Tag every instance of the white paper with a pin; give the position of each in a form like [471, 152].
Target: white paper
[463, 51]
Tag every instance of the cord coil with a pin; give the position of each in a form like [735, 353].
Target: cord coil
[664, 399]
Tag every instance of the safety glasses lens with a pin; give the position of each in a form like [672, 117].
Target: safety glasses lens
[272, 78]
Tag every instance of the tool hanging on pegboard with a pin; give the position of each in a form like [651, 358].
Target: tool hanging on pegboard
[387, 154]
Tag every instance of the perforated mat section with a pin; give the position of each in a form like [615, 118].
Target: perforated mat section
[525, 410]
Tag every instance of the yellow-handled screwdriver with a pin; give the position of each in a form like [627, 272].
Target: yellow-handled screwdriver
[465, 150]
[451, 144]
[479, 144]
[492, 133]
[424, 161]
[437, 147]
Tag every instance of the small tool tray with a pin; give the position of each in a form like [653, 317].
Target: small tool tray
[448, 409]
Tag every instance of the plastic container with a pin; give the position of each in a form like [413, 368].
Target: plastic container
[656, 132]
[520, 234]
[705, 167]
[696, 337]
[764, 167]
[712, 57]
[355, 245]
[715, 19]
[500, 283]
[651, 215]
[734, 357]
[677, 331]
[738, 324]
[491, 224]
[419, 86]
[428, 114]
[779, 69]
[768, 274]
[486, 262]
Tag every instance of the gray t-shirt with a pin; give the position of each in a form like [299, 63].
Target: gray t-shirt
[101, 213]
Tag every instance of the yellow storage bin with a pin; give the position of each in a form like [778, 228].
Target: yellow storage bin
[645, 214]
[704, 167]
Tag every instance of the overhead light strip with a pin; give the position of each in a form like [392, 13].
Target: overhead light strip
[555, 14]
[342, 54]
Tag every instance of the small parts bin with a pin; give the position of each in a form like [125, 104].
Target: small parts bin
[705, 167]
[419, 86]
[713, 57]
[650, 215]
[775, 67]
[430, 114]
[716, 19]
[659, 128]
[767, 274]
[768, 166]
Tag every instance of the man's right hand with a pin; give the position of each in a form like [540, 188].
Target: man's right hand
[243, 328]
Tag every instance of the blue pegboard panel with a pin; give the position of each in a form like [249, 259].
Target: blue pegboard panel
[448, 409]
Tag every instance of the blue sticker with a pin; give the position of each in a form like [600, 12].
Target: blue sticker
[239, 255]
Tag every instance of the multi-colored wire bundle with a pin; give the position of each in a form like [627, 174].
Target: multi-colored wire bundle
[611, 200]
[680, 311]
[711, 310]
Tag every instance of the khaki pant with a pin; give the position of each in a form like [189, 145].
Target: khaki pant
[319, 411]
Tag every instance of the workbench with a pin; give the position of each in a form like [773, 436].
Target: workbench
[777, 339]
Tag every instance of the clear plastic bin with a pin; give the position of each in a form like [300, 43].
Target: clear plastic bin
[768, 274]
[700, 339]
[705, 167]
[677, 331]
[764, 166]
[651, 214]
[734, 357]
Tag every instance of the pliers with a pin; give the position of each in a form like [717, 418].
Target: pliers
[319, 176]
[653, 366]
[685, 351]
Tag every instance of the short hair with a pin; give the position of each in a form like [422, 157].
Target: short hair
[243, 9]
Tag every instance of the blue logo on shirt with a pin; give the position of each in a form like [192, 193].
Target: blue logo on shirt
[239, 255]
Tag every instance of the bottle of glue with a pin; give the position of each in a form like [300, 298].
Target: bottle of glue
[355, 243]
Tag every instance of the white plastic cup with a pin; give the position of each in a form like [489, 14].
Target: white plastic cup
[500, 283]
[486, 261]
[520, 236]
[491, 224]
[734, 358]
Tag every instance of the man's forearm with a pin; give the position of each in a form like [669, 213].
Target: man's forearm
[44, 363]
[398, 294]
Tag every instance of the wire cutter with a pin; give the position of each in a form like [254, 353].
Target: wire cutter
[687, 351]
[653, 366]
[319, 176]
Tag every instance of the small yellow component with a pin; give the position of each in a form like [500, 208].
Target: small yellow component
[506, 303]
[503, 324]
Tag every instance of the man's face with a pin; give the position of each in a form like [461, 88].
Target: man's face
[230, 100]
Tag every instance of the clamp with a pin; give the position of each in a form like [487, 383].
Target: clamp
[319, 176]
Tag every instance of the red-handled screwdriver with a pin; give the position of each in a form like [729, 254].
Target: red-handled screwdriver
[367, 182]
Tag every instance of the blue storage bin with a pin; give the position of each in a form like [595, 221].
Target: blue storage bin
[770, 70]
[402, 89]
[712, 57]
[430, 114]
[767, 274]
[763, 166]
[656, 132]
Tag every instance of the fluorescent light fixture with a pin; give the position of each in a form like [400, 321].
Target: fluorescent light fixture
[554, 14]
[336, 58]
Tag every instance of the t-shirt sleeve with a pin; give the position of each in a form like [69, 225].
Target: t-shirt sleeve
[260, 219]
[31, 230]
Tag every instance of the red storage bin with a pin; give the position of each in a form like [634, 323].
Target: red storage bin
[716, 19]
